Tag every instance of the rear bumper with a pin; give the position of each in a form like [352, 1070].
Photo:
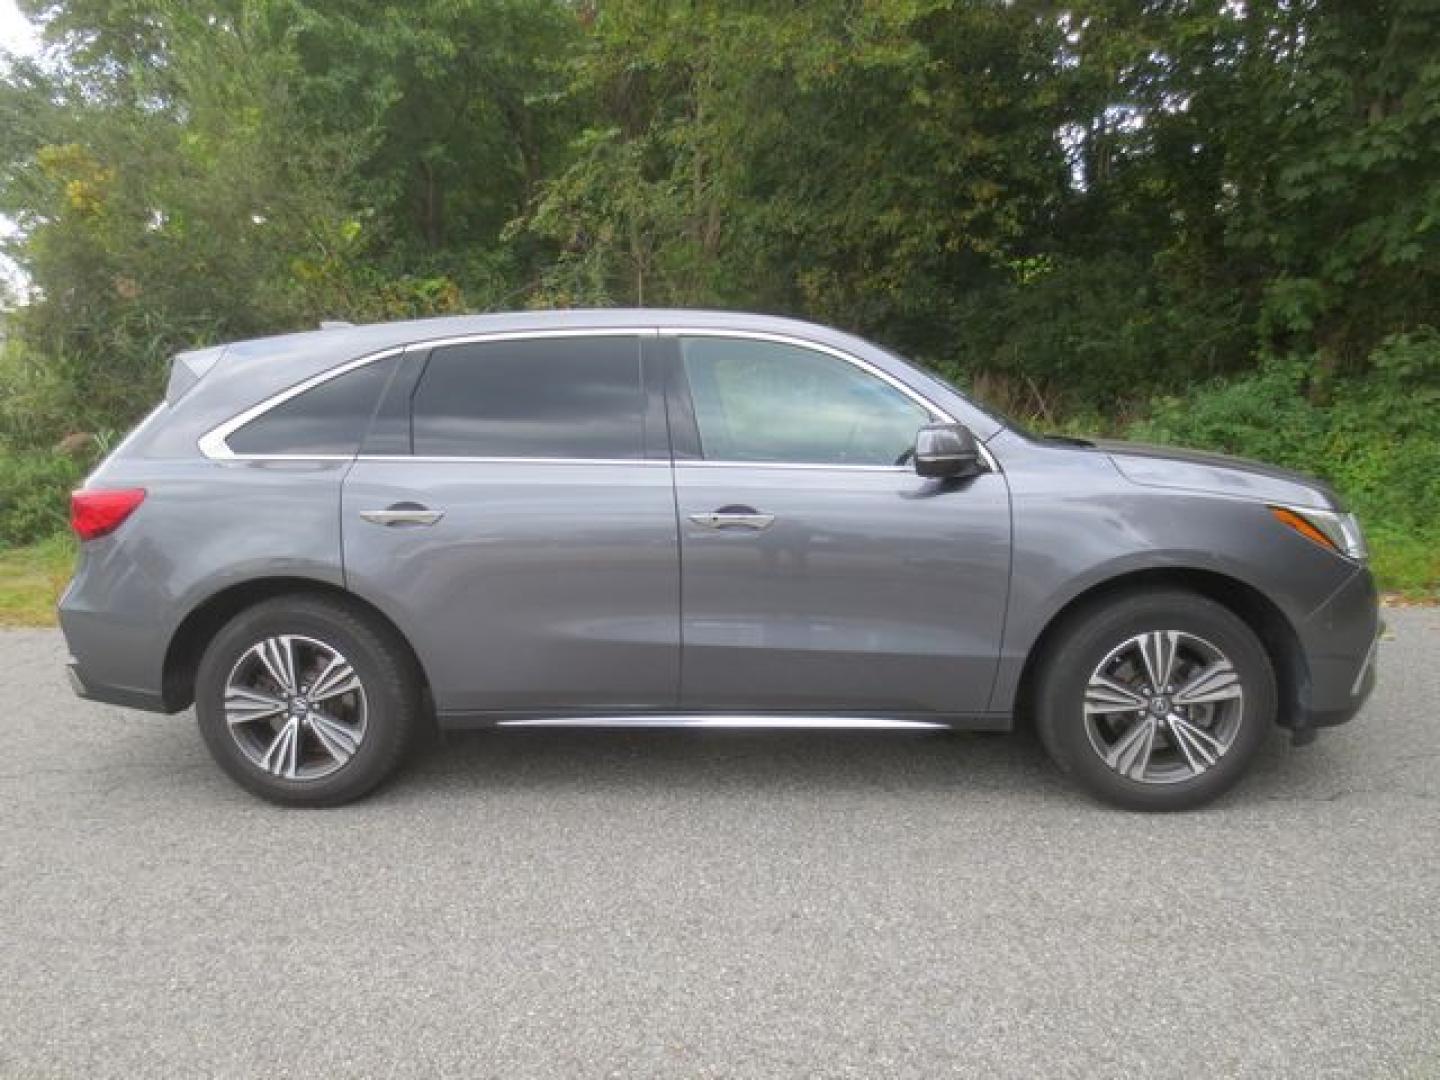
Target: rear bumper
[127, 696]
[116, 627]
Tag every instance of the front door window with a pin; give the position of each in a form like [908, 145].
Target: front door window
[770, 402]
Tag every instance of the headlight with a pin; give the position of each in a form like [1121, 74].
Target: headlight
[1339, 532]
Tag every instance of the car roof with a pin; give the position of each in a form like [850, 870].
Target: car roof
[349, 341]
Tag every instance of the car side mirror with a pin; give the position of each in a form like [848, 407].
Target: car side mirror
[946, 451]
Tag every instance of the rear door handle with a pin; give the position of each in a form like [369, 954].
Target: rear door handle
[734, 517]
[402, 515]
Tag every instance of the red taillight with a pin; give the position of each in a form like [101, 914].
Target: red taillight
[99, 512]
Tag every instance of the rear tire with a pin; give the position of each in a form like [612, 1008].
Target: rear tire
[1140, 746]
[305, 701]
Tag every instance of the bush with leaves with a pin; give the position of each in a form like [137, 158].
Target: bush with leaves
[34, 491]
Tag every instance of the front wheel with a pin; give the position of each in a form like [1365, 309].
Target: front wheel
[305, 701]
[1156, 700]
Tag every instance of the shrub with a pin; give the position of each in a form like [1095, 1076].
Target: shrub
[34, 496]
[48, 396]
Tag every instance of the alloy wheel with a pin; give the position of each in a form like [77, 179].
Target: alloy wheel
[1163, 707]
[295, 707]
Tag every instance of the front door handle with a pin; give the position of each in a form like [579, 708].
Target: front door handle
[403, 514]
[734, 517]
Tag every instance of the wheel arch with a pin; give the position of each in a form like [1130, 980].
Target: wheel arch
[1276, 632]
[195, 632]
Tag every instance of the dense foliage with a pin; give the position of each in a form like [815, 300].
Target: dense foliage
[1218, 219]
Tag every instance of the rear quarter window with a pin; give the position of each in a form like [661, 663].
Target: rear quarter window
[328, 419]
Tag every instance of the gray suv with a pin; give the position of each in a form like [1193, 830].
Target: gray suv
[329, 541]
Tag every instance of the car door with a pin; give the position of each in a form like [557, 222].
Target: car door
[512, 510]
[819, 572]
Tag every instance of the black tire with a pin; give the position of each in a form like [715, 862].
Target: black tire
[1085, 642]
[384, 667]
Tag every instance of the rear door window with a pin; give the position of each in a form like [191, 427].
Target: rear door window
[556, 397]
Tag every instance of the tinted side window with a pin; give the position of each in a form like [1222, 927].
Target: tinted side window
[329, 419]
[538, 398]
[766, 401]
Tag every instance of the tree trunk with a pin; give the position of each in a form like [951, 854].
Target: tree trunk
[432, 207]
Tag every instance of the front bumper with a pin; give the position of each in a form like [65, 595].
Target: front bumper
[1341, 642]
[1360, 690]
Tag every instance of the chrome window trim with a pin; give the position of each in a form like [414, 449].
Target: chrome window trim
[442, 459]
[523, 335]
[648, 462]
[990, 463]
[284, 457]
[806, 465]
[214, 446]
[213, 443]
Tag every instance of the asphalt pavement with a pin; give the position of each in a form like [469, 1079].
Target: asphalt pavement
[710, 904]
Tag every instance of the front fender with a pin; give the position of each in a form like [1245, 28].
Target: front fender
[1080, 525]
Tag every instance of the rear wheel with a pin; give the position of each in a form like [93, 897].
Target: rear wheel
[1156, 700]
[305, 701]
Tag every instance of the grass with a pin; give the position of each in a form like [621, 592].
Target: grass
[1406, 566]
[31, 580]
